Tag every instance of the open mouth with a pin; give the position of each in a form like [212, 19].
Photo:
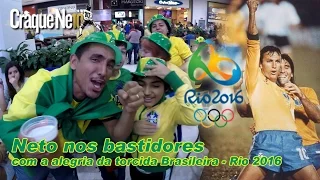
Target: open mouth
[98, 84]
[273, 72]
[148, 100]
[283, 79]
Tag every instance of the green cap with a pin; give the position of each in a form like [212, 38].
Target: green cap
[143, 62]
[119, 36]
[101, 38]
[159, 17]
[161, 40]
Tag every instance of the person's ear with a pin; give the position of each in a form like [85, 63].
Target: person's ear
[74, 61]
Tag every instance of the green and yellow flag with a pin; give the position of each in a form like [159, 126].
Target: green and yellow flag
[51, 93]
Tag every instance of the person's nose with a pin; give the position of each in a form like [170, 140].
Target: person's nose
[274, 64]
[147, 91]
[282, 70]
[102, 69]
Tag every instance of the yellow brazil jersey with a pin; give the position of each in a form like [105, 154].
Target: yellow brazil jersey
[306, 127]
[271, 106]
[179, 51]
[167, 115]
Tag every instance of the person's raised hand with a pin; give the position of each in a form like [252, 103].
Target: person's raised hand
[253, 5]
[14, 81]
[159, 69]
[131, 96]
[293, 89]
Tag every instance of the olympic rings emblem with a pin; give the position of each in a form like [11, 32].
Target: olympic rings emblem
[215, 120]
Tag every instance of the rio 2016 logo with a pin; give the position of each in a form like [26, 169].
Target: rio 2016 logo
[212, 67]
[191, 96]
[214, 115]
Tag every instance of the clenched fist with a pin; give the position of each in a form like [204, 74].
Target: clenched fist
[252, 5]
[131, 96]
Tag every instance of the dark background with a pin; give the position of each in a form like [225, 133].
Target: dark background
[308, 10]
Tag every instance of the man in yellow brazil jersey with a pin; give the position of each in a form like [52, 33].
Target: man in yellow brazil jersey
[272, 111]
[307, 111]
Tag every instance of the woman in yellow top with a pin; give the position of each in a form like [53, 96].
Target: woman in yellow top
[180, 51]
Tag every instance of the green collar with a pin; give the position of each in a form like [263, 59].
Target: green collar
[160, 101]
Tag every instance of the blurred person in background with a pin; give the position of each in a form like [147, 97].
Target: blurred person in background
[30, 35]
[276, 26]
[189, 35]
[235, 29]
[134, 38]
[127, 28]
[140, 28]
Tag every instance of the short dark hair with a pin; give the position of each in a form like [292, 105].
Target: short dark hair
[290, 61]
[270, 49]
[121, 43]
[136, 26]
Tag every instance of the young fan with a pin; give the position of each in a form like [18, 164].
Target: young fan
[160, 112]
